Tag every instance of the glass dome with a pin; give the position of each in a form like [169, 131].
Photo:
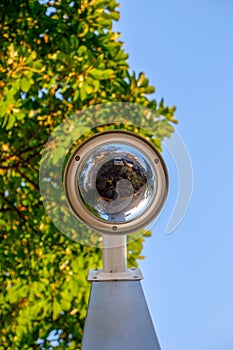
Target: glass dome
[116, 182]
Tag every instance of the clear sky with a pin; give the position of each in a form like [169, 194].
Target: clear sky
[186, 49]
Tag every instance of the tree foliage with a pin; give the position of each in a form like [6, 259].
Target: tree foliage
[57, 57]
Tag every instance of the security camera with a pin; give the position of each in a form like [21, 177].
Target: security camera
[115, 182]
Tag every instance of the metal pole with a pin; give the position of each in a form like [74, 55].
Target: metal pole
[114, 253]
[118, 318]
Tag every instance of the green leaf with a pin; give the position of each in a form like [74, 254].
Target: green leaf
[11, 121]
[149, 90]
[115, 15]
[101, 74]
[3, 109]
[21, 115]
[107, 73]
[25, 84]
[112, 5]
[56, 309]
[76, 95]
[83, 94]
[74, 41]
[95, 73]
[82, 50]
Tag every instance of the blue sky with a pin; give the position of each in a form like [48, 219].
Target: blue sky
[186, 49]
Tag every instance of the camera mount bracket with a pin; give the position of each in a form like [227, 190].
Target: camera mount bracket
[114, 262]
[132, 274]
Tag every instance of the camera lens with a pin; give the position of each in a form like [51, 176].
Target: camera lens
[116, 182]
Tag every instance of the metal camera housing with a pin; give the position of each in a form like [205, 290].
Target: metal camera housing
[115, 182]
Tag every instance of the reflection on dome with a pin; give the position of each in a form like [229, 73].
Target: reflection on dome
[116, 182]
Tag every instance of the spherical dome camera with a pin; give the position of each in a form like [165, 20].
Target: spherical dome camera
[116, 182]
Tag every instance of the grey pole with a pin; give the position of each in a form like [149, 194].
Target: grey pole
[118, 317]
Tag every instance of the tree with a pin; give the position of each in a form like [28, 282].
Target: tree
[57, 57]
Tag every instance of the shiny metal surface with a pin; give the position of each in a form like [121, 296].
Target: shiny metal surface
[118, 318]
[116, 182]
